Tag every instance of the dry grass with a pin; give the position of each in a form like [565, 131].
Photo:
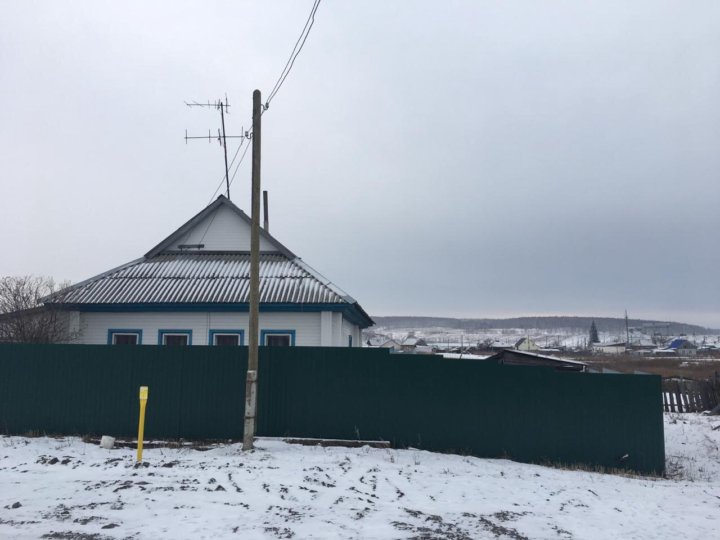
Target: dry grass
[700, 367]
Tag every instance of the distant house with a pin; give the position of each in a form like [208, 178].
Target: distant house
[193, 289]
[641, 343]
[520, 358]
[500, 344]
[682, 347]
[411, 343]
[610, 348]
[526, 344]
[390, 344]
[375, 341]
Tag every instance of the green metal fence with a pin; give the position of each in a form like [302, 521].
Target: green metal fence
[529, 414]
[195, 392]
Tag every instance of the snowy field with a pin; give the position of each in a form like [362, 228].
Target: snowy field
[65, 488]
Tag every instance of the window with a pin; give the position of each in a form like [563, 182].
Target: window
[350, 340]
[277, 338]
[124, 337]
[226, 337]
[175, 337]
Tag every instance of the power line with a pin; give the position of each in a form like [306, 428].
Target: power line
[229, 184]
[246, 136]
[224, 176]
[299, 44]
[238, 165]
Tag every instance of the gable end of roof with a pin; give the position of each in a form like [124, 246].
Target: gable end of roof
[197, 218]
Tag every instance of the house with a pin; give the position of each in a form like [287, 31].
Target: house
[641, 343]
[193, 289]
[499, 344]
[610, 348]
[411, 343]
[522, 358]
[682, 347]
[390, 344]
[374, 341]
[526, 344]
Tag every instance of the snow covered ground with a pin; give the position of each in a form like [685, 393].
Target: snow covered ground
[65, 488]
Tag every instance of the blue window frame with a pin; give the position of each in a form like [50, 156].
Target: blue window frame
[174, 337]
[277, 338]
[226, 337]
[124, 336]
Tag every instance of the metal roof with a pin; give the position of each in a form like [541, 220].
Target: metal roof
[526, 358]
[165, 277]
[173, 277]
[681, 343]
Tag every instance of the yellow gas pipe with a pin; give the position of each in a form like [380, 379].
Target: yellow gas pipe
[141, 423]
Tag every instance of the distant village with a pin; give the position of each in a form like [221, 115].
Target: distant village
[637, 341]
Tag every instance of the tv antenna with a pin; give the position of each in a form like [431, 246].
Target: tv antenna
[221, 137]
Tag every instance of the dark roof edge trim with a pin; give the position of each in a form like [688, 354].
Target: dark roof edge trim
[352, 312]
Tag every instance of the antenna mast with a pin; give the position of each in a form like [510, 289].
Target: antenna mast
[221, 136]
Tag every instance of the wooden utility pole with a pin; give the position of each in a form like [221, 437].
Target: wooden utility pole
[251, 379]
[627, 332]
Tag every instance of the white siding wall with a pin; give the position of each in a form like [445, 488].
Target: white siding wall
[334, 330]
[337, 330]
[73, 326]
[326, 329]
[222, 230]
[95, 326]
[349, 329]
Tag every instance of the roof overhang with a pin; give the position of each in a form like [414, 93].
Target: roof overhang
[354, 313]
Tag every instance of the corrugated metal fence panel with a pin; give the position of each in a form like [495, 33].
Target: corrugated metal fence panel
[195, 392]
[532, 414]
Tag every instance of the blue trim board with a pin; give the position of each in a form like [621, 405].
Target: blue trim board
[211, 335]
[272, 332]
[161, 333]
[349, 311]
[112, 331]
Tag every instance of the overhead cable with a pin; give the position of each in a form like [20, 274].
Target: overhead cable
[299, 44]
[248, 135]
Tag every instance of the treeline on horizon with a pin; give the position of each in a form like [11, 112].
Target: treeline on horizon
[575, 324]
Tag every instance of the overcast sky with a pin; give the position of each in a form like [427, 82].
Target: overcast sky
[472, 159]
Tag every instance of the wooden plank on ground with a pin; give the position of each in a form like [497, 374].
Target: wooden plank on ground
[347, 443]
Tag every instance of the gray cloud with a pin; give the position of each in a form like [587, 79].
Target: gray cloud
[473, 158]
